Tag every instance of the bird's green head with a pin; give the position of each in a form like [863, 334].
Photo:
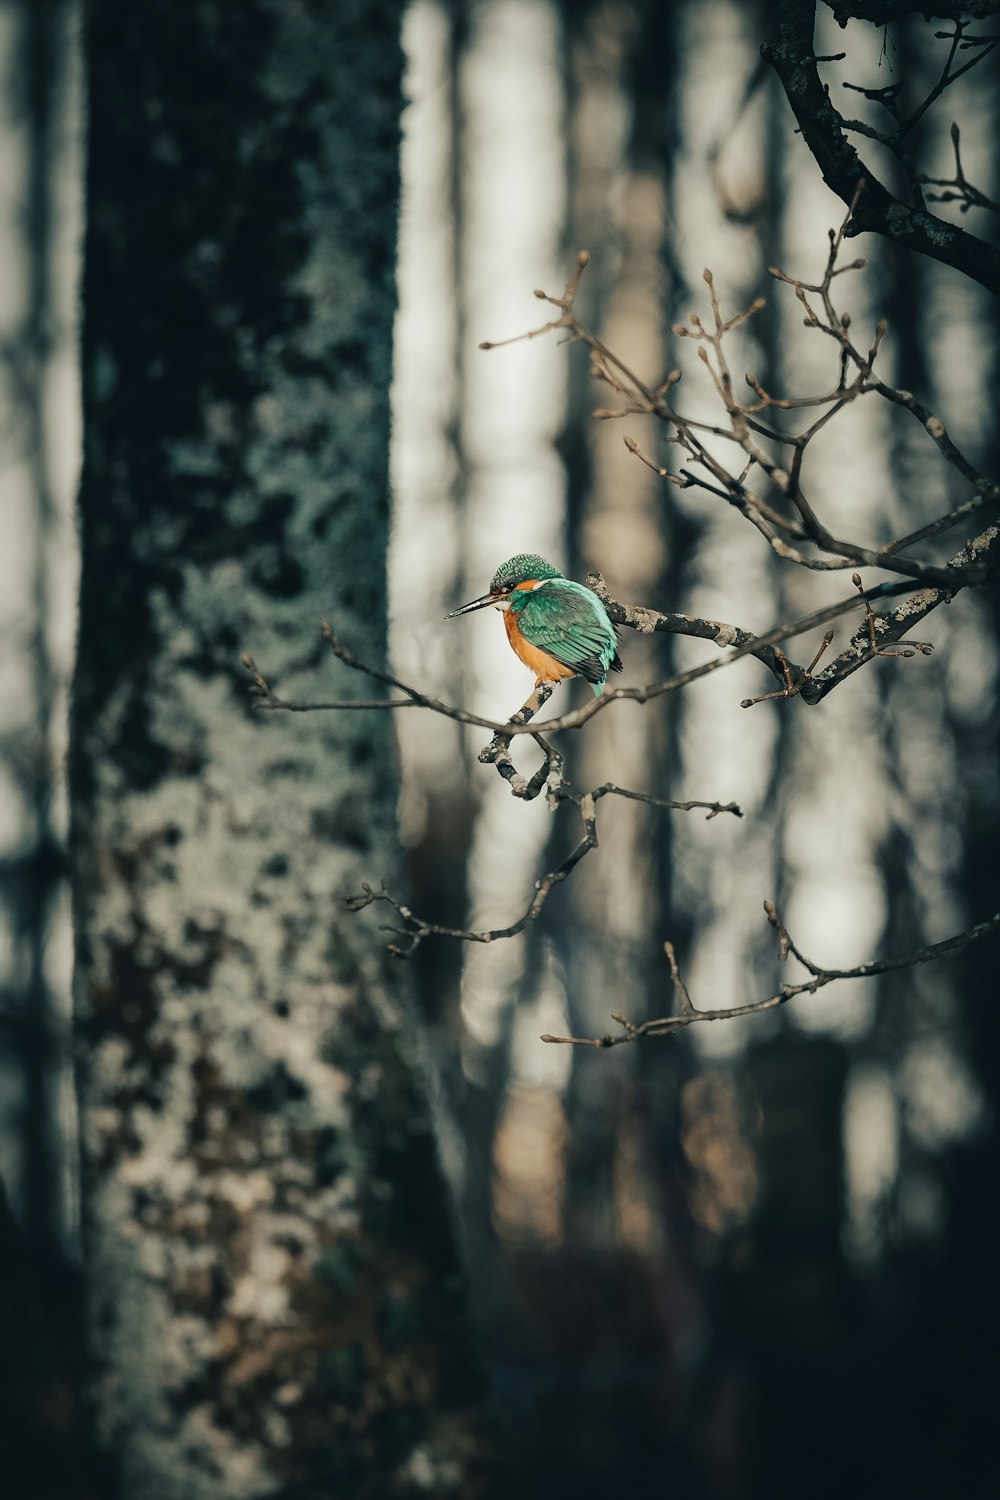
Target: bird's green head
[526, 567]
[520, 569]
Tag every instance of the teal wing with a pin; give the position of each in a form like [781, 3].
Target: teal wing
[570, 623]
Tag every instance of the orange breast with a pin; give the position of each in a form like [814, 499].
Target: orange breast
[545, 667]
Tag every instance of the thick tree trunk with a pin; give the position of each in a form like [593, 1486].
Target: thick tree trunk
[273, 1290]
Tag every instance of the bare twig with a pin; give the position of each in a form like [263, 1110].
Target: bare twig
[958, 189]
[416, 929]
[558, 790]
[889, 98]
[819, 977]
[923, 647]
[794, 685]
[713, 808]
[261, 689]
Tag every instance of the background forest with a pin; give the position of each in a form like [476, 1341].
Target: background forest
[286, 1214]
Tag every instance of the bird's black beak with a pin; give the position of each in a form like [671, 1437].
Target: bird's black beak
[467, 609]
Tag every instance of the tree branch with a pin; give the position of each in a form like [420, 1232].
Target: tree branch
[792, 56]
[688, 1015]
[750, 645]
[558, 790]
[881, 12]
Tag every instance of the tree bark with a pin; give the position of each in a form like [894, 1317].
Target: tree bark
[274, 1304]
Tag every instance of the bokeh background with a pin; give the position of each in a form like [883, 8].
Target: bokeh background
[757, 1259]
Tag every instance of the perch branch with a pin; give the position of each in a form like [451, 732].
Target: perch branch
[575, 719]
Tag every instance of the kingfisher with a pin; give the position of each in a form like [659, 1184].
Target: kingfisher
[557, 627]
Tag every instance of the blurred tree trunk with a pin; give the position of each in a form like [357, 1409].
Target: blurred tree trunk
[30, 881]
[274, 1304]
[44, 1450]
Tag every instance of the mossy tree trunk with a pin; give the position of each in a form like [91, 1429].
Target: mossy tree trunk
[274, 1304]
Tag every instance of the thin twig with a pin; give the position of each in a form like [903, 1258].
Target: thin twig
[558, 790]
[688, 1015]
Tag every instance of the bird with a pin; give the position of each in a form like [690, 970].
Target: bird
[557, 627]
